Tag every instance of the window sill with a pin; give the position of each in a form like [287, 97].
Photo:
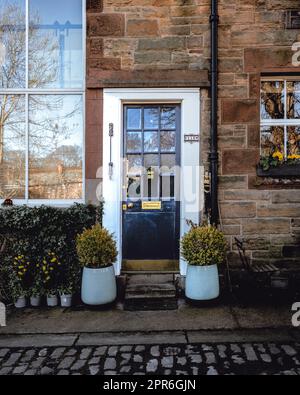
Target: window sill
[283, 171]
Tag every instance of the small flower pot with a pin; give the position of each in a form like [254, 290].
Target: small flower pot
[66, 300]
[98, 286]
[52, 300]
[202, 283]
[35, 301]
[20, 302]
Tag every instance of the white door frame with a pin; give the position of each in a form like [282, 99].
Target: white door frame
[191, 188]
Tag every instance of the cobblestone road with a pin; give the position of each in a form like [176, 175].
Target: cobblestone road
[192, 359]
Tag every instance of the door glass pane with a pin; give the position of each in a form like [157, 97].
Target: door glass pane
[12, 147]
[167, 188]
[134, 187]
[294, 142]
[168, 161]
[151, 183]
[55, 44]
[55, 147]
[168, 118]
[293, 100]
[134, 164]
[272, 140]
[12, 43]
[272, 100]
[151, 118]
[134, 118]
[168, 141]
[150, 160]
[151, 142]
[134, 142]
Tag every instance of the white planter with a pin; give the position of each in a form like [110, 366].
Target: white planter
[66, 300]
[35, 301]
[52, 300]
[202, 282]
[21, 302]
[98, 286]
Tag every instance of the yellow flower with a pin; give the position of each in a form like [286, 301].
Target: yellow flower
[294, 156]
[53, 260]
[278, 155]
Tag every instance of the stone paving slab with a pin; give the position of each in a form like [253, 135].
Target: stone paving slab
[88, 339]
[187, 318]
[37, 340]
[254, 335]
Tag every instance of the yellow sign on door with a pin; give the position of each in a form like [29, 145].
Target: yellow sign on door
[151, 205]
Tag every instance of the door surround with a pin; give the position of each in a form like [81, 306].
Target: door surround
[191, 190]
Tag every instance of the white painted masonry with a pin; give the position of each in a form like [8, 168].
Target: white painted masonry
[191, 189]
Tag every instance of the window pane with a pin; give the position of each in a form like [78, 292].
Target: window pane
[134, 142]
[151, 118]
[272, 140]
[55, 147]
[134, 164]
[168, 161]
[134, 118]
[293, 100]
[12, 43]
[151, 141]
[294, 142]
[150, 161]
[55, 44]
[134, 187]
[272, 100]
[168, 141]
[168, 118]
[167, 187]
[12, 147]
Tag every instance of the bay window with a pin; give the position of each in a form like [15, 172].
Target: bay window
[42, 100]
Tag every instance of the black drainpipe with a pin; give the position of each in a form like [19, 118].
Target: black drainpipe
[213, 155]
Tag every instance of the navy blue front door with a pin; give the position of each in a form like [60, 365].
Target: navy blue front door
[151, 186]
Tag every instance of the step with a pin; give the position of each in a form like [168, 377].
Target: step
[150, 279]
[156, 304]
[150, 291]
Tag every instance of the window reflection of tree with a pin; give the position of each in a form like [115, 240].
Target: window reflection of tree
[55, 165]
[272, 100]
[43, 70]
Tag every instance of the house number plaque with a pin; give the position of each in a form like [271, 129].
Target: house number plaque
[191, 138]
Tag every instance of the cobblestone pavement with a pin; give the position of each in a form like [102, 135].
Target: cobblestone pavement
[190, 359]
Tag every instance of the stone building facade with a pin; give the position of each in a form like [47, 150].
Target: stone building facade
[166, 44]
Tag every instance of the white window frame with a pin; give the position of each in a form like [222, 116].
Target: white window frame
[285, 122]
[26, 92]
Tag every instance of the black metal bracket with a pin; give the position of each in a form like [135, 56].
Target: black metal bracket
[111, 165]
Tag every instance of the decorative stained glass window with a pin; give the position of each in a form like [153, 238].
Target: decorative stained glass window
[41, 100]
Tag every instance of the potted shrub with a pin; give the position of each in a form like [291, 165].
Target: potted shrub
[204, 248]
[20, 280]
[36, 289]
[97, 252]
[50, 272]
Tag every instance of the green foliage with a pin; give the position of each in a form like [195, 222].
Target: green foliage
[203, 246]
[96, 247]
[273, 161]
[36, 231]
